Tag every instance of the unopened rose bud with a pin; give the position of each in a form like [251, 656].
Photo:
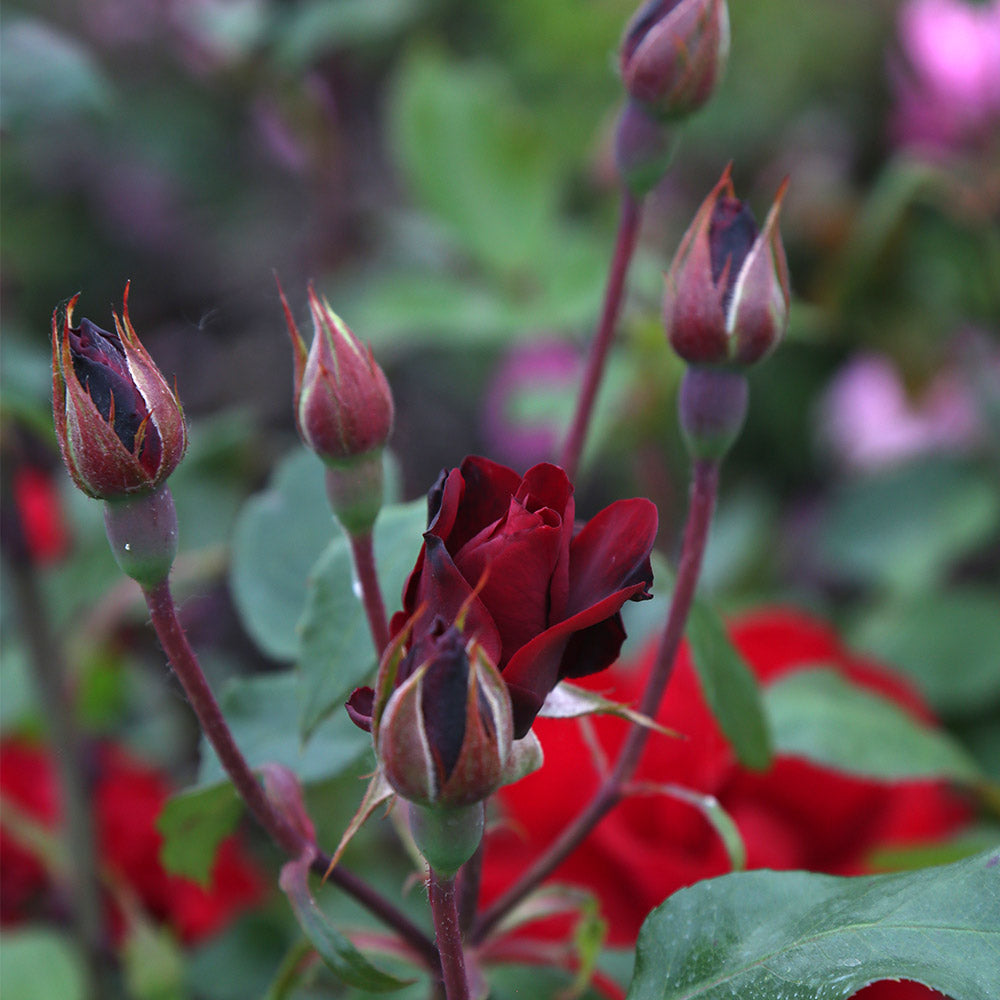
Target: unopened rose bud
[674, 53]
[344, 412]
[119, 424]
[343, 404]
[727, 297]
[446, 733]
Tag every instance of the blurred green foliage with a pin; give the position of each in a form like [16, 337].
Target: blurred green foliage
[442, 170]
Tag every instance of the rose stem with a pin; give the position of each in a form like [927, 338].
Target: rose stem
[448, 935]
[469, 879]
[628, 233]
[50, 674]
[363, 553]
[704, 486]
[214, 726]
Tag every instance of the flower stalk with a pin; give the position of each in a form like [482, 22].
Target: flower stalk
[188, 670]
[625, 244]
[448, 935]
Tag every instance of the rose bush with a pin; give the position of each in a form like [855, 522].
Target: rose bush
[543, 597]
[796, 815]
[127, 798]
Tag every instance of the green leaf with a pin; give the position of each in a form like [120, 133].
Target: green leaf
[343, 959]
[278, 536]
[729, 686]
[193, 824]
[40, 965]
[263, 714]
[474, 158]
[903, 528]
[800, 936]
[818, 715]
[948, 643]
[337, 653]
[47, 75]
[153, 963]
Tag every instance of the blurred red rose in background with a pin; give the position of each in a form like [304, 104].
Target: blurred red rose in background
[127, 798]
[797, 815]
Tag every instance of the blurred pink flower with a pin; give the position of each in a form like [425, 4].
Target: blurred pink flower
[522, 425]
[948, 83]
[869, 422]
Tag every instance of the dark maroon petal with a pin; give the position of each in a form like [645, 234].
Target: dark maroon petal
[519, 558]
[488, 487]
[644, 19]
[593, 649]
[360, 706]
[445, 692]
[443, 588]
[100, 367]
[534, 670]
[730, 236]
[545, 485]
[612, 552]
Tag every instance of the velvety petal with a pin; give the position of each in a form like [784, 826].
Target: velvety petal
[488, 487]
[593, 649]
[445, 591]
[612, 552]
[535, 669]
[360, 706]
[519, 557]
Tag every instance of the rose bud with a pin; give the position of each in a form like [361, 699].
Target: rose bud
[726, 299]
[344, 412]
[674, 53]
[446, 731]
[343, 404]
[119, 424]
[542, 596]
[644, 149]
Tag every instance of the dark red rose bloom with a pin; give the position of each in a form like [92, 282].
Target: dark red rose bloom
[796, 815]
[551, 594]
[127, 798]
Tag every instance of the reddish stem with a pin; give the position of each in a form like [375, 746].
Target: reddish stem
[363, 553]
[628, 234]
[704, 486]
[444, 909]
[213, 724]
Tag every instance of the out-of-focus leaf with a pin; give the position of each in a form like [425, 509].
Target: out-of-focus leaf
[278, 537]
[153, 963]
[314, 29]
[820, 716]
[902, 528]
[474, 158]
[263, 714]
[193, 824]
[40, 965]
[800, 936]
[947, 642]
[729, 687]
[337, 653]
[343, 959]
[45, 75]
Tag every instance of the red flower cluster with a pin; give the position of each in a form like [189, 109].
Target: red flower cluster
[797, 815]
[127, 799]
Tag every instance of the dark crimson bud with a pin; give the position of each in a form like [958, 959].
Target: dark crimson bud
[446, 731]
[727, 297]
[119, 424]
[343, 404]
[674, 53]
